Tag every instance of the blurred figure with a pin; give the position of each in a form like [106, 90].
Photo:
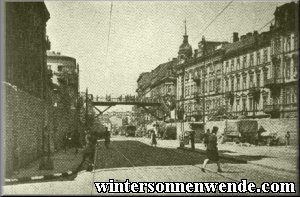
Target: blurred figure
[287, 138]
[88, 153]
[106, 137]
[206, 136]
[212, 150]
[153, 138]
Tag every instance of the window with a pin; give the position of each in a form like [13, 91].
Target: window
[251, 81]
[244, 105]
[59, 68]
[227, 67]
[295, 42]
[288, 43]
[244, 82]
[288, 96]
[258, 57]
[265, 55]
[232, 64]
[226, 87]
[251, 59]
[244, 61]
[192, 89]
[258, 79]
[294, 96]
[250, 104]
[265, 76]
[288, 69]
[238, 63]
[237, 104]
[218, 85]
[232, 84]
[238, 83]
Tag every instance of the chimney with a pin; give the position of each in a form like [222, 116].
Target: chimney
[255, 33]
[235, 36]
[249, 34]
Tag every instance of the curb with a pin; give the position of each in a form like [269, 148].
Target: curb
[271, 167]
[233, 158]
[42, 177]
[223, 156]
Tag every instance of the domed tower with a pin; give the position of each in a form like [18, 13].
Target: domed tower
[185, 50]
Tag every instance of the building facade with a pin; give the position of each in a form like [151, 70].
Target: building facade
[246, 68]
[283, 80]
[26, 46]
[159, 85]
[199, 82]
[65, 78]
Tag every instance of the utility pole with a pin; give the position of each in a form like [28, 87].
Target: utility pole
[204, 84]
[182, 98]
[46, 161]
[86, 108]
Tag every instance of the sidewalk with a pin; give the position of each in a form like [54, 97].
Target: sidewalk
[275, 157]
[64, 164]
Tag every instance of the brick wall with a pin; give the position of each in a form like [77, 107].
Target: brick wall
[24, 119]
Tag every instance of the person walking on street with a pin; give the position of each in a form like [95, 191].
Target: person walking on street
[206, 136]
[106, 137]
[212, 150]
[287, 138]
[153, 138]
[88, 153]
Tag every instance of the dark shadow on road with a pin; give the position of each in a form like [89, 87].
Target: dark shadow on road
[253, 157]
[135, 153]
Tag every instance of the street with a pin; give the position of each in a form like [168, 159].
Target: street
[132, 159]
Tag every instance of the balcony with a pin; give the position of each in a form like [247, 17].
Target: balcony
[271, 108]
[290, 107]
[273, 82]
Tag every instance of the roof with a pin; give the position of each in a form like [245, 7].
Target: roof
[164, 72]
[249, 42]
[58, 55]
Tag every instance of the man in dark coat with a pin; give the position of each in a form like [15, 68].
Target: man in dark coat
[212, 150]
[106, 137]
[88, 153]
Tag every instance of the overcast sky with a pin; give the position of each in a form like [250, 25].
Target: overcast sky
[143, 35]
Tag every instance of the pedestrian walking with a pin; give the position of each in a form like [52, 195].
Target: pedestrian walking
[212, 150]
[153, 138]
[67, 141]
[287, 138]
[206, 136]
[106, 137]
[88, 154]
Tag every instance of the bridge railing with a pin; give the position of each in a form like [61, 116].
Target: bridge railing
[132, 99]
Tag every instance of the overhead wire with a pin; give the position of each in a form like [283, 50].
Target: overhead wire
[217, 16]
[266, 24]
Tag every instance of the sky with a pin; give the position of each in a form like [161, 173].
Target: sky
[143, 35]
